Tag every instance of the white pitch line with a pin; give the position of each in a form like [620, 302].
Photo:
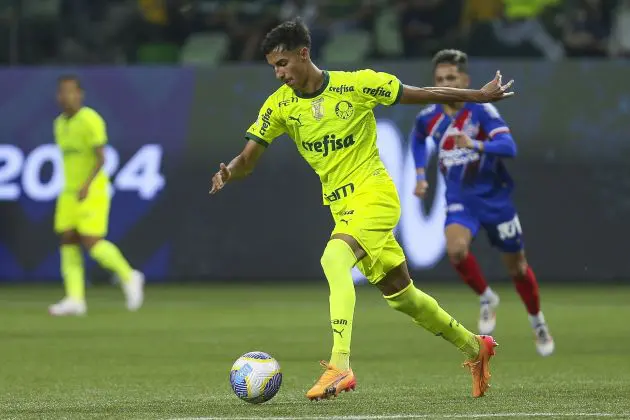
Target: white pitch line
[419, 416]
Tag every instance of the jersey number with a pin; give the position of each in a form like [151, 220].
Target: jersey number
[510, 229]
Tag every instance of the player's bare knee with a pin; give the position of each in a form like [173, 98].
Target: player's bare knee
[519, 270]
[354, 245]
[457, 250]
[89, 241]
[517, 267]
[396, 280]
[70, 237]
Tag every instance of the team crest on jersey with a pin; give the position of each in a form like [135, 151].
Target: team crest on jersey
[470, 129]
[317, 106]
[344, 110]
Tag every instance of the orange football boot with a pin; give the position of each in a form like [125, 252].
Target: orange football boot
[480, 367]
[332, 382]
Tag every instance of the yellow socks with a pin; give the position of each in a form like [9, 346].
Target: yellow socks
[109, 256]
[426, 312]
[337, 261]
[340, 360]
[72, 271]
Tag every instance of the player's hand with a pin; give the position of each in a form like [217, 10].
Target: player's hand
[83, 192]
[495, 91]
[462, 141]
[220, 178]
[421, 188]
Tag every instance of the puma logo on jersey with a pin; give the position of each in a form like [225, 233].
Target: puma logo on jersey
[296, 119]
[330, 143]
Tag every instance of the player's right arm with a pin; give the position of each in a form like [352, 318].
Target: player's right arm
[260, 134]
[241, 166]
[97, 138]
[418, 146]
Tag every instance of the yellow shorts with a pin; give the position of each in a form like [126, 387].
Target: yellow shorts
[89, 217]
[370, 215]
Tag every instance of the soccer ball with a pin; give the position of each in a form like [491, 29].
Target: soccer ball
[255, 377]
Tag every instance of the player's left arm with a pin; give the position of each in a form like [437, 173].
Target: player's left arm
[500, 141]
[97, 138]
[386, 89]
[491, 92]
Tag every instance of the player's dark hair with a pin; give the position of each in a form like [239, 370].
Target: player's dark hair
[288, 35]
[455, 57]
[70, 78]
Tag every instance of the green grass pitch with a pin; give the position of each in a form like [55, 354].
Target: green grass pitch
[172, 359]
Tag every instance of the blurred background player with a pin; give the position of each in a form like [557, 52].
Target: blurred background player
[330, 116]
[478, 191]
[82, 212]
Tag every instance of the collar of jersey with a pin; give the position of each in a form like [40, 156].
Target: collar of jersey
[318, 91]
[67, 118]
[441, 109]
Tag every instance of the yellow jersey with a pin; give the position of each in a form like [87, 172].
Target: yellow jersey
[77, 137]
[333, 128]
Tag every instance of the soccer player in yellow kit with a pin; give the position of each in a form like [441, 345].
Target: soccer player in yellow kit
[329, 115]
[82, 212]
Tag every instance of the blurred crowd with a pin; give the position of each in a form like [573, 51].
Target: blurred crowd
[35, 32]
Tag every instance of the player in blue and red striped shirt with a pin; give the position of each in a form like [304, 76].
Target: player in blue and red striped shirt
[472, 140]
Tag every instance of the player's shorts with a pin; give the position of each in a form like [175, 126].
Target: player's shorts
[500, 222]
[89, 217]
[369, 215]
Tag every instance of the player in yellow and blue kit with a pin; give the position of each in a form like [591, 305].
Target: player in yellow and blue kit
[82, 212]
[329, 115]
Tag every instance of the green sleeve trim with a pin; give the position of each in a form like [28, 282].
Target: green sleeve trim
[399, 94]
[252, 137]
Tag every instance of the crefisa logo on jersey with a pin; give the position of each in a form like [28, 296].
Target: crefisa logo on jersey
[265, 121]
[330, 143]
[379, 91]
[341, 89]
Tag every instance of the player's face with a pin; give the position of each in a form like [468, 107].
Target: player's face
[290, 67]
[448, 75]
[69, 94]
